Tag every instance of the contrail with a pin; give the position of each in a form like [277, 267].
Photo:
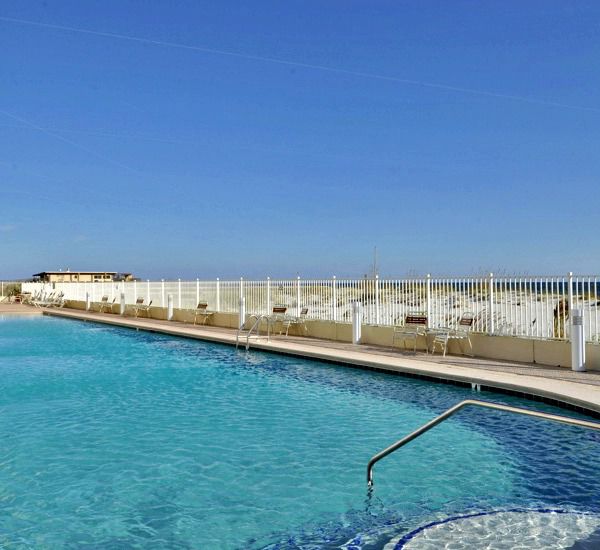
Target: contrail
[360, 74]
[64, 139]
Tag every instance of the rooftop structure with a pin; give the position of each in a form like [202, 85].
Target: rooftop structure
[68, 276]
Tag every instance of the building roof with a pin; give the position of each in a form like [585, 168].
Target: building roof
[71, 271]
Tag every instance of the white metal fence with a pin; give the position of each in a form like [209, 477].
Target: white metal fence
[535, 307]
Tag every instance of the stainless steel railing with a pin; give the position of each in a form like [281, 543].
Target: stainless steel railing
[475, 403]
[255, 326]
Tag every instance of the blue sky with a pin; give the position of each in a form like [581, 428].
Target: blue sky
[457, 137]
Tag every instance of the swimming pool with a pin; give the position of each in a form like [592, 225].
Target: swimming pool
[125, 439]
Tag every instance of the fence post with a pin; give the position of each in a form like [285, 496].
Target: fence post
[298, 297]
[571, 291]
[218, 294]
[242, 310]
[242, 292]
[122, 304]
[377, 300]
[268, 295]
[577, 340]
[169, 307]
[334, 297]
[197, 291]
[570, 308]
[162, 293]
[428, 290]
[491, 327]
[356, 322]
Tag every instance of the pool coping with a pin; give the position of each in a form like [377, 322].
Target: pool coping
[578, 396]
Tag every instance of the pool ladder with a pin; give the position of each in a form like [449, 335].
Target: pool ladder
[254, 328]
[473, 403]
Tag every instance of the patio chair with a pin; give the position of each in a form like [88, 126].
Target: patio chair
[140, 306]
[415, 325]
[19, 298]
[462, 332]
[105, 304]
[299, 321]
[278, 315]
[202, 313]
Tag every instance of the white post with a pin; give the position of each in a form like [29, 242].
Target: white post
[377, 300]
[356, 322]
[428, 300]
[218, 294]
[169, 307]
[162, 293]
[242, 314]
[268, 295]
[179, 293]
[577, 340]
[122, 304]
[87, 301]
[197, 291]
[298, 297]
[491, 327]
[570, 290]
[334, 297]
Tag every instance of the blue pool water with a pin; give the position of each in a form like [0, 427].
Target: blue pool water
[114, 438]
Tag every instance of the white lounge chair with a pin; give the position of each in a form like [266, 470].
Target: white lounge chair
[299, 321]
[57, 301]
[462, 332]
[415, 325]
[202, 312]
[278, 317]
[43, 299]
[54, 299]
[104, 304]
[140, 306]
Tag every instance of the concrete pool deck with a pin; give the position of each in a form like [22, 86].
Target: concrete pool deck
[9, 308]
[556, 384]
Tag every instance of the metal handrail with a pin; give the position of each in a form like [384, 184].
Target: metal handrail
[475, 403]
[256, 324]
[241, 329]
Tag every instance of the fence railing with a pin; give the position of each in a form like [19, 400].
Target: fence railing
[535, 307]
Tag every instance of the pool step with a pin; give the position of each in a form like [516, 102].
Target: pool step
[504, 530]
